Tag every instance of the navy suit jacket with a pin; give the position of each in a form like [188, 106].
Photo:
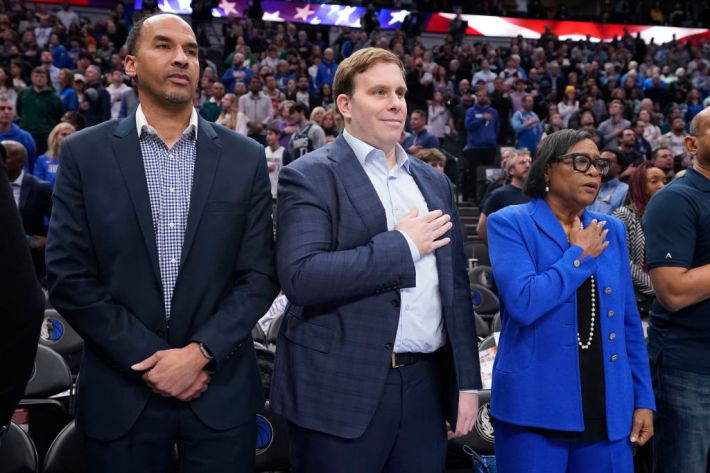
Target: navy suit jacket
[536, 379]
[104, 276]
[342, 270]
[35, 206]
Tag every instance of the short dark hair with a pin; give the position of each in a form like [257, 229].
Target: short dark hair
[554, 145]
[620, 158]
[135, 32]
[419, 112]
[299, 107]
[655, 152]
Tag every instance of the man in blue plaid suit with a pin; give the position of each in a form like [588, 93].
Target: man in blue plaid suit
[378, 348]
[160, 255]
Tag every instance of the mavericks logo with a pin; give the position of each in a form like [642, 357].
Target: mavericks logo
[483, 426]
[264, 434]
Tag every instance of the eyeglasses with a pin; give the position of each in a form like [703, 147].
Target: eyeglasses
[582, 162]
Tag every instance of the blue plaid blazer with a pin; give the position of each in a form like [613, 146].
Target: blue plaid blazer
[341, 271]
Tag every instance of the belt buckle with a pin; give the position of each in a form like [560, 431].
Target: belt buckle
[394, 361]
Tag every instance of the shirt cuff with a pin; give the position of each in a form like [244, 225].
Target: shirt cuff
[474, 391]
[412, 247]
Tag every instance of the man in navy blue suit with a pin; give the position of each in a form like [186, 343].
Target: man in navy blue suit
[34, 200]
[378, 348]
[160, 255]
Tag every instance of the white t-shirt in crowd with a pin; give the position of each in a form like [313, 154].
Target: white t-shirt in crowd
[275, 157]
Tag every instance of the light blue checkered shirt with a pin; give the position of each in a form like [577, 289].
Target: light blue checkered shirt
[168, 172]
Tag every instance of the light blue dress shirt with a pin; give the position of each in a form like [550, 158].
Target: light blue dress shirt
[611, 196]
[420, 327]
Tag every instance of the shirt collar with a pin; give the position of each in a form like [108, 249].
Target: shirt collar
[18, 182]
[698, 180]
[364, 150]
[141, 121]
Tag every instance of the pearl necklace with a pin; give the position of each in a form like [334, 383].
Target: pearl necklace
[585, 346]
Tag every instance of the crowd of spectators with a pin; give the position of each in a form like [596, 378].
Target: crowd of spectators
[60, 72]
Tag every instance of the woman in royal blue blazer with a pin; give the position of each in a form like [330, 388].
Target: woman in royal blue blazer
[571, 384]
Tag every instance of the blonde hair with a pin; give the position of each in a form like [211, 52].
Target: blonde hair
[315, 111]
[231, 120]
[52, 140]
[358, 62]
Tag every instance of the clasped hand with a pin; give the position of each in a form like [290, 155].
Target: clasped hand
[426, 231]
[176, 373]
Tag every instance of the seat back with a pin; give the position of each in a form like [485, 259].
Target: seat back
[272, 444]
[485, 302]
[483, 276]
[50, 375]
[58, 335]
[482, 328]
[17, 452]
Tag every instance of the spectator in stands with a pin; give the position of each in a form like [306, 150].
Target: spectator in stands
[116, 89]
[642, 145]
[676, 223]
[285, 122]
[526, 124]
[437, 117]
[239, 72]
[39, 109]
[326, 70]
[122, 292]
[317, 115]
[568, 105]
[70, 100]
[420, 137]
[309, 136]
[482, 129]
[516, 170]
[651, 133]
[675, 141]
[302, 93]
[10, 131]
[230, 115]
[611, 127]
[662, 158]
[457, 119]
[433, 157]
[591, 384]
[612, 193]
[645, 181]
[34, 201]
[22, 300]
[486, 75]
[67, 16]
[211, 108]
[47, 62]
[330, 127]
[257, 108]
[48, 164]
[129, 101]
[96, 107]
[276, 157]
[553, 124]
[420, 86]
[628, 147]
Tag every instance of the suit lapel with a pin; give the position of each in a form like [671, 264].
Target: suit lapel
[207, 158]
[25, 191]
[427, 186]
[129, 158]
[548, 223]
[358, 187]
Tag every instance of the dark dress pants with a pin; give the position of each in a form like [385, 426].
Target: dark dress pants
[407, 434]
[149, 445]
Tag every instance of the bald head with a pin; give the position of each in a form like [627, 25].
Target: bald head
[699, 122]
[16, 158]
[698, 142]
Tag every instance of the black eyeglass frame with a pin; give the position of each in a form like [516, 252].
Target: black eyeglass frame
[602, 165]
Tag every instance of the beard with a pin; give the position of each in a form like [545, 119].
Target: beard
[177, 98]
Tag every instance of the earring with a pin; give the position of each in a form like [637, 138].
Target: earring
[547, 187]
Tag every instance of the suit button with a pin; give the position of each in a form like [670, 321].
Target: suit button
[607, 290]
[576, 263]
[395, 303]
[610, 313]
[614, 357]
[388, 346]
[612, 336]
[160, 333]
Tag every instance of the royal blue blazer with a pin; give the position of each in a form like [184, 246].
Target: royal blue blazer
[536, 379]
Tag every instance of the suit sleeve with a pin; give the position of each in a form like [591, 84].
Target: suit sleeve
[635, 343]
[464, 341]
[255, 284]
[526, 293]
[311, 271]
[74, 276]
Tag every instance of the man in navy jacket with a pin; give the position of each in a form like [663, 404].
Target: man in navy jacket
[482, 128]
